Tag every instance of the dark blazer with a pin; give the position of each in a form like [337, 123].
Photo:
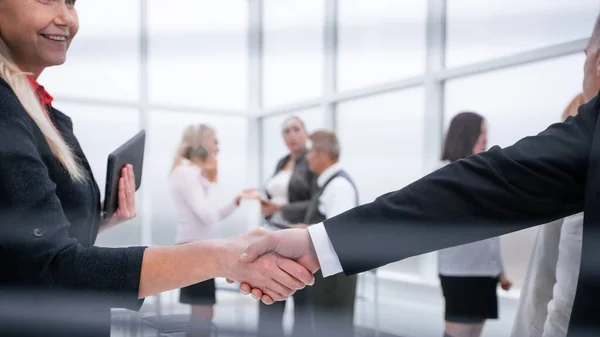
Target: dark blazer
[537, 180]
[302, 186]
[48, 226]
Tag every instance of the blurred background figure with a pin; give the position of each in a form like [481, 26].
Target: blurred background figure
[470, 273]
[194, 187]
[289, 192]
[333, 298]
[549, 289]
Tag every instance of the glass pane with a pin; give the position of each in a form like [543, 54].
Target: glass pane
[198, 53]
[479, 30]
[91, 125]
[513, 112]
[293, 50]
[381, 139]
[380, 41]
[165, 133]
[103, 57]
[273, 145]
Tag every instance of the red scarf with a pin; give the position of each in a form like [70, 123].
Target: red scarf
[41, 93]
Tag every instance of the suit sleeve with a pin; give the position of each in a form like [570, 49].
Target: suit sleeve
[34, 240]
[537, 180]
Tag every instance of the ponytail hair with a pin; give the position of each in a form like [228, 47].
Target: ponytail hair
[19, 83]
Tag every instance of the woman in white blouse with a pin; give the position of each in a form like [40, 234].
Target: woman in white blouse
[470, 273]
[289, 192]
[194, 188]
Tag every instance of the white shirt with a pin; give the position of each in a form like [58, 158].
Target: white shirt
[338, 196]
[278, 187]
[197, 203]
[481, 258]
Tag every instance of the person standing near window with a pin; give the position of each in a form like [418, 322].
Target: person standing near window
[289, 193]
[194, 187]
[469, 274]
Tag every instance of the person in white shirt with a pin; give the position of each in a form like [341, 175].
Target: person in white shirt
[551, 281]
[333, 298]
[194, 188]
[469, 273]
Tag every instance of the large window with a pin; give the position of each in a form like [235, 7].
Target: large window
[198, 53]
[293, 50]
[102, 62]
[380, 41]
[165, 131]
[381, 139]
[100, 130]
[479, 30]
[513, 112]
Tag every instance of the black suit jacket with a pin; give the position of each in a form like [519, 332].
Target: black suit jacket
[537, 180]
[48, 225]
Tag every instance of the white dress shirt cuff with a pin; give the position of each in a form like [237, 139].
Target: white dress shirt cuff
[328, 259]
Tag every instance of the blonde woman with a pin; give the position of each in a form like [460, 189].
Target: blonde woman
[54, 281]
[551, 281]
[193, 185]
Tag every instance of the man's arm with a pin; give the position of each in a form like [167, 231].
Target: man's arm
[535, 181]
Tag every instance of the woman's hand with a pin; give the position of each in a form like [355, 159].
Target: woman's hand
[249, 193]
[270, 274]
[505, 283]
[126, 210]
[268, 208]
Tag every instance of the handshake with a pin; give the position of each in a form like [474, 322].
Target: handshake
[270, 266]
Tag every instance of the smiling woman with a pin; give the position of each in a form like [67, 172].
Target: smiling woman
[50, 205]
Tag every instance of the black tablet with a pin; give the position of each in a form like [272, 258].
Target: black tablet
[131, 152]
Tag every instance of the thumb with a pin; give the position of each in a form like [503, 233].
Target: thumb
[258, 248]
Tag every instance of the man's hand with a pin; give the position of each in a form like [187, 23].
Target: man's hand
[299, 225]
[291, 243]
[126, 195]
[272, 275]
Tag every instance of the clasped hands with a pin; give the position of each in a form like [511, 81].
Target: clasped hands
[271, 266]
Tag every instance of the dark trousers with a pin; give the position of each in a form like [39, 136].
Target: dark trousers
[333, 300]
[270, 317]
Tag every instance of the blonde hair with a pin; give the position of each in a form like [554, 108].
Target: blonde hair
[191, 137]
[19, 83]
[573, 107]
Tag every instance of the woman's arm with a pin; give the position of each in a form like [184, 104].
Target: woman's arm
[37, 249]
[175, 267]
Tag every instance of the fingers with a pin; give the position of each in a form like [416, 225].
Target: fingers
[122, 192]
[297, 275]
[131, 189]
[277, 292]
[246, 289]
[257, 293]
[266, 299]
[258, 248]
